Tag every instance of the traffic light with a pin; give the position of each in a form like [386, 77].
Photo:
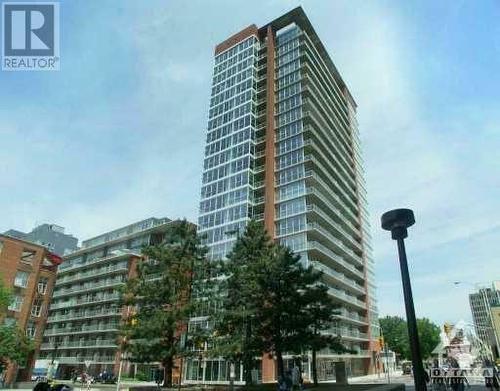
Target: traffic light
[381, 341]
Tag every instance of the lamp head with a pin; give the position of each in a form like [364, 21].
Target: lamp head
[397, 221]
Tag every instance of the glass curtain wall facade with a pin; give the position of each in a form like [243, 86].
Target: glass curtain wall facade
[290, 156]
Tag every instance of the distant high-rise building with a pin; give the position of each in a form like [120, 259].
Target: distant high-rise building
[481, 303]
[282, 146]
[84, 314]
[495, 319]
[28, 270]
[51, 236]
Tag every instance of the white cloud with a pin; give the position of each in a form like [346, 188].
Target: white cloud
[103, 155]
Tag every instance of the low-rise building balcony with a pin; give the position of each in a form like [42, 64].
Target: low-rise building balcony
[110, 343]
[81, 330]
[84, 315]
[89, 287]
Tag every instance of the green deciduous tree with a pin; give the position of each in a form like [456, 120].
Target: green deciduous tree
[396, 335]
[5, 298]
[14, 345]
[158, 298]
[428, 333]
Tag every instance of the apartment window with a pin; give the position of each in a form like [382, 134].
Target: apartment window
[36, 308]
[1, 246]
[21, 279]
[42, 285]
[16, 304]
[31, 329]
[28, 256]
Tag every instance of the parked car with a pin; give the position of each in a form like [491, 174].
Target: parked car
[406, 368]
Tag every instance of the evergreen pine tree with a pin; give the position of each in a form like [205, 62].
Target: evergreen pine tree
[320, 312]
[234, 337]
[158, 298]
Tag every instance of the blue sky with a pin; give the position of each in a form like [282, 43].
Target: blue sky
[117, 135]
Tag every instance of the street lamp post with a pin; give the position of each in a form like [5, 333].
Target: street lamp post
[397, 221]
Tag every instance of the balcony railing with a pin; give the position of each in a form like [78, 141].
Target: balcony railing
[313, 245]
[82, 329]
[339, 276]
[80, 344]
[74, 303]
[114, 255]
[349, 298]
[346, 251]
[83, 315]
[320, 212]
[352, 316]
[90, 273]
[90, 287]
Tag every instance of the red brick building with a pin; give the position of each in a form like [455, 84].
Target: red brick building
[29, 272]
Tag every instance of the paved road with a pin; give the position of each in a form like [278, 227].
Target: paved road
[407, 380]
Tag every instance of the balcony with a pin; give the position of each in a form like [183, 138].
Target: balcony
[339, 277]
[333, 201]
[80, 344]
[83, 315]
[260, 154]
[117, 254]
[90, 287]
[75, 303]
[339, 294]
[316, 209]
[90, 273]
[346, 198]
[313, 245]
[347, 252]
[317, 146]
[82, 329]
[352, 317]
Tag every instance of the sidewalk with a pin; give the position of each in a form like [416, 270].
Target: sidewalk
[374, 378]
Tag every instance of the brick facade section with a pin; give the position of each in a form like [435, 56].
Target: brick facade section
[11, 250]
[236, 38]
[268, 365]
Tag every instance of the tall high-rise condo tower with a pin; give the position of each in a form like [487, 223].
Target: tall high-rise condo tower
[482, 303]
[283, 147]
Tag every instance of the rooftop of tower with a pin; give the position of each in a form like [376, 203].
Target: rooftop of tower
[299, 17]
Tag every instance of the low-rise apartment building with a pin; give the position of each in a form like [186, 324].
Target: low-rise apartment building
[29, 272]
[84, 317]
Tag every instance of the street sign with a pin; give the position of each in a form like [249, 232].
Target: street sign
[87, 363]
